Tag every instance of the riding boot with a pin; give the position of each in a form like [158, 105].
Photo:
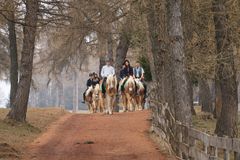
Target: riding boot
[84, 97]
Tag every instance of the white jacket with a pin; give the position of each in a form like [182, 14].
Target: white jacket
[107, 70]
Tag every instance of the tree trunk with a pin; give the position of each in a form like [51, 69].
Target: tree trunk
[110, 45]
[182, 98]
[19, 106]
[101, 63]
[121, 52]
[226, 73]
[218, 100]
[205, 96]
[101, 51]
[75, 91]
[13, 54]
[60, 94]
[157, 35]
[149, 51]
[191, 98]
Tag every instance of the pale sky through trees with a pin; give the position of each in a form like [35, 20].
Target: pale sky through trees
[4, 92]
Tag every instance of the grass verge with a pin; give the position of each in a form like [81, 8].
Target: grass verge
[15, 136]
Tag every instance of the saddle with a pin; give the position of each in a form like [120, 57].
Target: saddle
[103, 86]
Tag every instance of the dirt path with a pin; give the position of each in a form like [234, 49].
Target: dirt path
[121, 136]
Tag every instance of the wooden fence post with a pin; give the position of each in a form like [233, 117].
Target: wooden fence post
[226, 155]
[236, 156]
[180, 140]
[192, 143]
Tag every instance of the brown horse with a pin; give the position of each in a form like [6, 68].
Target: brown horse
[89, 99]
[140, 95]
[98, 101]
[128, 95]
[111, 91]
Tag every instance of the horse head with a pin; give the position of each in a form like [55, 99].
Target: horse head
[88, 94]
[130, 84]
[111, 83]
[96, 91]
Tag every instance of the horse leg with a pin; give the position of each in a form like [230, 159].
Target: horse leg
[98, 109]
[112, 100]
[133, 104]
[123, 103]
[93, 106]
[90, 107]
[137, 103]
[111, 105]
[142, 102]
[107, 104]
[130, 105]
[103, 104]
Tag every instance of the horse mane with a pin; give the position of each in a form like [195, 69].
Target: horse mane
[89, 90]
[97, 87]
[112, 78]
[130, 80]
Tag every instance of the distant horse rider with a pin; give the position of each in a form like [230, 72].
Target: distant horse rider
[138, 73]
[89, 84]
[105, 72]
[126, 71]
[95, 80]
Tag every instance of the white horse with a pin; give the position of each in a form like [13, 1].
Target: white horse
[98, 100]
[128, 95]
[89, 99]
[111, 91]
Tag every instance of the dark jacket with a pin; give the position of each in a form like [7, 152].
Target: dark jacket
[95, 81]
[126, 72]
[89, 82]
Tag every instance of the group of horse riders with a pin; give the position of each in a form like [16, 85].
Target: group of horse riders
[137, 73]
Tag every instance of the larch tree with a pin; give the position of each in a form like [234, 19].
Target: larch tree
[156, 18]
[12, 50]
[19, 107]
[226, 71]
[180, 81]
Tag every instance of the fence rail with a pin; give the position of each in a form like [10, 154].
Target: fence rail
[190, 143]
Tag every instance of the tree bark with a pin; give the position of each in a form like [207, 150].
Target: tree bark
[75, 91]
[182, 98]
[218, 100]
[205, 96]
[157, 35]
[110, 44]
[13, 54]
[19, 106]
[121, 51]
[226, 73]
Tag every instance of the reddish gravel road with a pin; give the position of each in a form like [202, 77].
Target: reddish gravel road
[122, 136]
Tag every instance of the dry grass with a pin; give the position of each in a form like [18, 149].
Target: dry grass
[15, 136]
[203, 124]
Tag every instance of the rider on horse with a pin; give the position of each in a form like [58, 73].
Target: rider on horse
[138, 73]
[95, 80]
[89, 84]
[125, 72]
[105, 72]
